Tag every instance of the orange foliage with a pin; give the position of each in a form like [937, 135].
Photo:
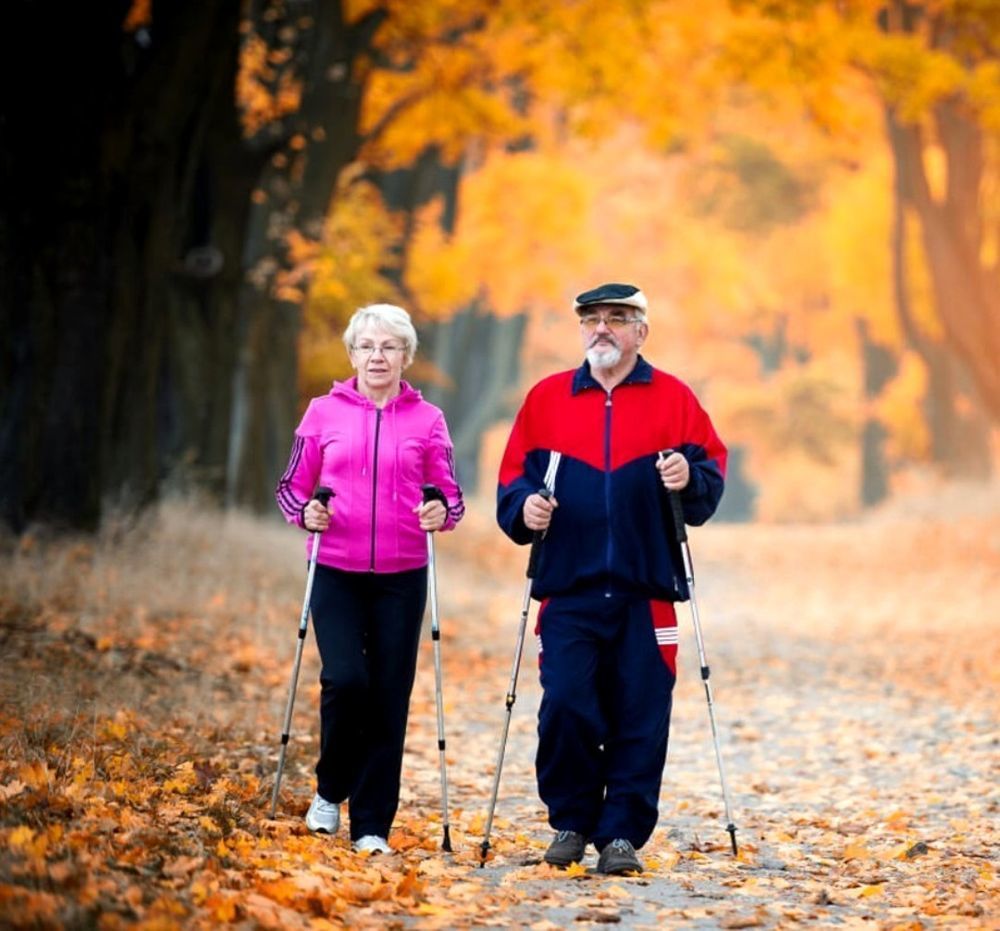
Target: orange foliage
[135, 778]
[685, 164]
[264, 91]
[140, 14]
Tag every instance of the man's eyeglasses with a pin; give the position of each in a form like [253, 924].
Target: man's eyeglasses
[613, 321]
[387, 349]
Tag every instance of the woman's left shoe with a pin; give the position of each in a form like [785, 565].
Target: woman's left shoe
[373, 844]
[323, 816]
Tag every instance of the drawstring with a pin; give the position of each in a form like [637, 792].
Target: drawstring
[395, 446]
[364, 459]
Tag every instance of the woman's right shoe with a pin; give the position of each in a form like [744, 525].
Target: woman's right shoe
[323, 816]
[372, 844]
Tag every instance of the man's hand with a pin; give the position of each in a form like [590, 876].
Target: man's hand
[537, 512]
[316, 517]
[675, 473]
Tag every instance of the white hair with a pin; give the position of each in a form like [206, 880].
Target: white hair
[388, 317]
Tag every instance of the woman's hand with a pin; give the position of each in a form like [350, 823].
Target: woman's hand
[316, 517]
[432, 515]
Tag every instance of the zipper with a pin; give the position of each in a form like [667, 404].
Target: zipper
[378, 427]
[607, 492]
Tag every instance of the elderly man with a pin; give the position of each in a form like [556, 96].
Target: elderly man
[609, 571]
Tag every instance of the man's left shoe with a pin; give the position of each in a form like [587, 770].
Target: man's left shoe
[618, 858]
[567, 847]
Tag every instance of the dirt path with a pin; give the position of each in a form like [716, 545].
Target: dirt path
[857, 800]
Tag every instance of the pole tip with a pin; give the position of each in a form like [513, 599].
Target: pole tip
[484, 851]
[446, 843]
[731, 828]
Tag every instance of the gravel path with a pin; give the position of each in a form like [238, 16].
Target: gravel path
[859, 801]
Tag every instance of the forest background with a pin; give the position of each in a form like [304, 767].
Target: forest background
[808, 193]
[195, 196]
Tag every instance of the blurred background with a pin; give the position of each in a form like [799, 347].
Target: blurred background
[197, 195]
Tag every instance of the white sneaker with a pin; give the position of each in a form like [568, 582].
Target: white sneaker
[323, 816]
[372, 844]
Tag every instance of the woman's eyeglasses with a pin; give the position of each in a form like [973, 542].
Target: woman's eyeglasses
[613, 321]
[387, 349]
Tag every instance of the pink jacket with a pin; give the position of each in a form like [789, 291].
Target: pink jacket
[375, 460]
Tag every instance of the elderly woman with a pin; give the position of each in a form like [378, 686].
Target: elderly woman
[375, 442]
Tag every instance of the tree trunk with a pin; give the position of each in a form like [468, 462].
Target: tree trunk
[959, 431]
[325, 130]
[481, 353]
[879, 366]
[93, 175]
[479, 350]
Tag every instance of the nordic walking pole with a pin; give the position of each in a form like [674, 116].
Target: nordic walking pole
[323, 495]
[681, 530]
[512, 688]
[433, 493]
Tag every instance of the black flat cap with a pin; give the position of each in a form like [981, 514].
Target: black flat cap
[627, 294]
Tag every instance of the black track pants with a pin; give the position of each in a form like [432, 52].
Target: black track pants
[368, 631]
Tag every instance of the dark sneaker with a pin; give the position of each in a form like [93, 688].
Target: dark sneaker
[617, 858]
[567, 848]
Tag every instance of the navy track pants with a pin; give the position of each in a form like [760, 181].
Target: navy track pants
[607, 673]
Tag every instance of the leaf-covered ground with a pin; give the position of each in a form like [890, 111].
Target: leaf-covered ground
[855, 669]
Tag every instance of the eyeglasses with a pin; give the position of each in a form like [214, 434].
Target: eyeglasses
[387, 349]
[613, 321]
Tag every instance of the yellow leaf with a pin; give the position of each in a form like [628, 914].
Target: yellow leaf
[222, 909]
[34, 775]
[856, 851]
[425, 908]
[869, 891]
[574, 870]
[20, 837]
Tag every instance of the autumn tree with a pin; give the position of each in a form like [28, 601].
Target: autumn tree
[148, 330]
[934, 69]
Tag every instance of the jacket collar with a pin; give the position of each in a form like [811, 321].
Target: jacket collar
[349, 390]
[641, 374]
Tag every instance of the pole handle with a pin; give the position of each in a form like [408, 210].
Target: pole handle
[323, 496]
[677, 509]
[433, 493]
[536, 541]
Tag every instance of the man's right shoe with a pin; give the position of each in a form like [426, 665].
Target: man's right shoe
[323, 816]
[618, 858]
[567, 848]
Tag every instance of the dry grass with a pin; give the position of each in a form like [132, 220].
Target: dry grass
[914, 586]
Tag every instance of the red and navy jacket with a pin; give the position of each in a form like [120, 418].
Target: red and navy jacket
[613, 531]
